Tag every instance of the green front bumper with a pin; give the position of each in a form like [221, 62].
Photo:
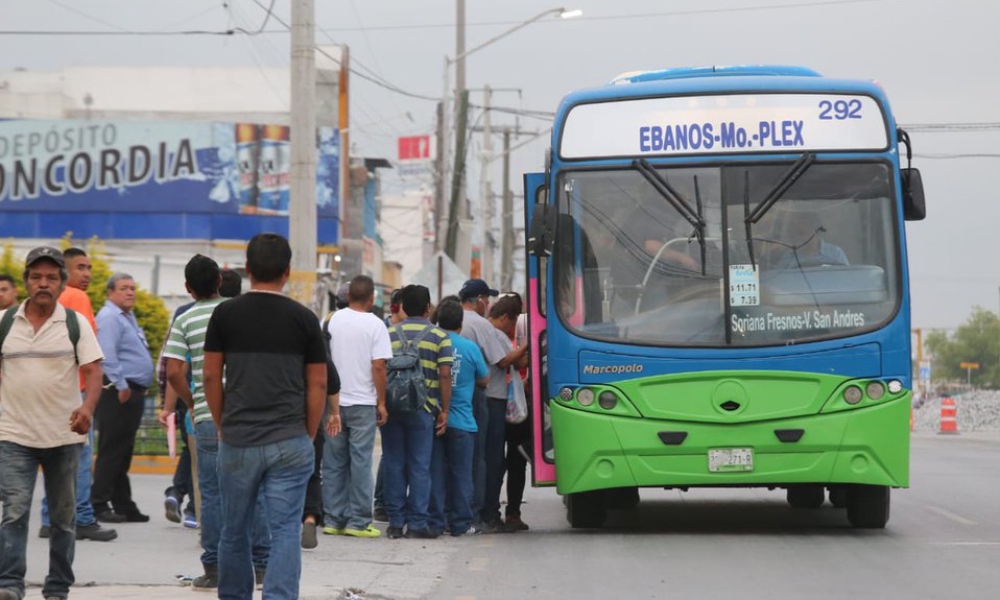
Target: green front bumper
[867, 445]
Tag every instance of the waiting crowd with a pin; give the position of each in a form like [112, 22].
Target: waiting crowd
[278, 413]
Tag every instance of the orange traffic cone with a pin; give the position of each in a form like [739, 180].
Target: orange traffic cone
[949, 419]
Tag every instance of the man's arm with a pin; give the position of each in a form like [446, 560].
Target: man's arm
[177, 378]
[315, 396]
[108, 334]
[517, 357]
[444, 389]
[333, 420]
[379, 376]
[81, 419]
[169, 406]
[212, 378]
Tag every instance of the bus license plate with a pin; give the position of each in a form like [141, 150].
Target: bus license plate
[729, 460]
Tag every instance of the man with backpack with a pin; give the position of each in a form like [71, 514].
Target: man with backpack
[418, 394]
[359, 346]
[43, 423]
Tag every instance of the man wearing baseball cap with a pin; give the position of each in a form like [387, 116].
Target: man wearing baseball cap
[43, 423]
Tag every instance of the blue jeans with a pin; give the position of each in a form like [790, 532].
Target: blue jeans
[451, 481]
[18, 473]
[279, 473]
[494, 441]
[207, 446]
[347, 470]
[407, 444]
[84, 477]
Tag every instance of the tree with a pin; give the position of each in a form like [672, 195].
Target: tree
[975, 341]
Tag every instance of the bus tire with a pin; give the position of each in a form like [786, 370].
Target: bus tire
[585, 509]
[868, 506]
[806, 496]
[621, 498]
[838, 496]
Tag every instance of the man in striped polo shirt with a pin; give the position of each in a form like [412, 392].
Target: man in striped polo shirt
[408, 439]
[187, 341]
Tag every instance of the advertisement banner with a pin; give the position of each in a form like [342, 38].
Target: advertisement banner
[168, 179]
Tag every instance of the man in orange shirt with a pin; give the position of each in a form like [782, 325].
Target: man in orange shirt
[8, 292]
[75, 298]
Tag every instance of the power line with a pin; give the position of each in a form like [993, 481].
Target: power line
[262, 31]
[951, 127]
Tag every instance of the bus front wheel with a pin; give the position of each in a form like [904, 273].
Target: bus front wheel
[868, 506]
[585, 509]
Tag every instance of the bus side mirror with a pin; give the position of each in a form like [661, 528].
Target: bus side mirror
[914, 208]
[542, 235]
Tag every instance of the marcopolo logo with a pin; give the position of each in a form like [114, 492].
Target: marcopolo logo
[612, 369]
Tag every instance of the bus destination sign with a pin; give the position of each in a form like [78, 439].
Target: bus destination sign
[724, 124]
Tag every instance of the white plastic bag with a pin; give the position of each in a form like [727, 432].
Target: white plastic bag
[517, 404]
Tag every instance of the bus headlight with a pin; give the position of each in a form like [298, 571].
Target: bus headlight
[585, 397]
[875, 390]
[852, 395]
[566, 394]
[895, 386]
[608, 400]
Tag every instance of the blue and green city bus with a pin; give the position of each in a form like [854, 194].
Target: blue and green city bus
[718, 290]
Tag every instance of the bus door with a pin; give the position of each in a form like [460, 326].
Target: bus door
[540, 229]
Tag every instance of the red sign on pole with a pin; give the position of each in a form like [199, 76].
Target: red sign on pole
[415, 147]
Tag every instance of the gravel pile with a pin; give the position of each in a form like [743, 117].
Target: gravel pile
[977, 411]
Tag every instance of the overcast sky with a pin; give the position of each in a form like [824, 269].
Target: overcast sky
[936, 59]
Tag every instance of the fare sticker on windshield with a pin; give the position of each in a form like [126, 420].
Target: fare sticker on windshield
[744, 285]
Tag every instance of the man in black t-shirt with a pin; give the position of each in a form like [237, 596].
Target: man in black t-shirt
[272, 352]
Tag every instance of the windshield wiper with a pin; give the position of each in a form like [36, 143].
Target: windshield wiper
[787, 180]
[746, 218]
[660, 184]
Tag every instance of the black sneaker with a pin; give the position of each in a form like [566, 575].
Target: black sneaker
[380, 516]
[494, 527]
[422, 534]
[394, 533]
[44, 532]
[95, 532]
[134, 516]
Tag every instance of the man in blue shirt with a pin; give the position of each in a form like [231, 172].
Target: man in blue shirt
[128, 373]
[451, 461]
[804, 245]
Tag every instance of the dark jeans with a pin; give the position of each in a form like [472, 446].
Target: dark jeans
[496, 427]
[407, 445]
[18, 473]
[451, 481]
[117, 424]
[517, 466]
[314, 491]
[182, 484]
[481, 414]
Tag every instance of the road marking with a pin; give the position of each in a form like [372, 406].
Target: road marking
[951, 516]
[965, 543]
[478, 563]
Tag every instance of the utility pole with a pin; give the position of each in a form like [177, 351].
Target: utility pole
[302, 184]
[507, 219]
[441, 171]
[484, 208]
[451, 242]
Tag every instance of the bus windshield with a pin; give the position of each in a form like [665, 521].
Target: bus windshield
[737, 255]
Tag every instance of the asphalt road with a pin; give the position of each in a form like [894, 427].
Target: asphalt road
[943, 541]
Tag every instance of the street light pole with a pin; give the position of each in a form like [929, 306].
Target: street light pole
[449, 224]
[302, 170]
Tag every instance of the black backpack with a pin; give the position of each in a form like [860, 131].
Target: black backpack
[406, 388]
